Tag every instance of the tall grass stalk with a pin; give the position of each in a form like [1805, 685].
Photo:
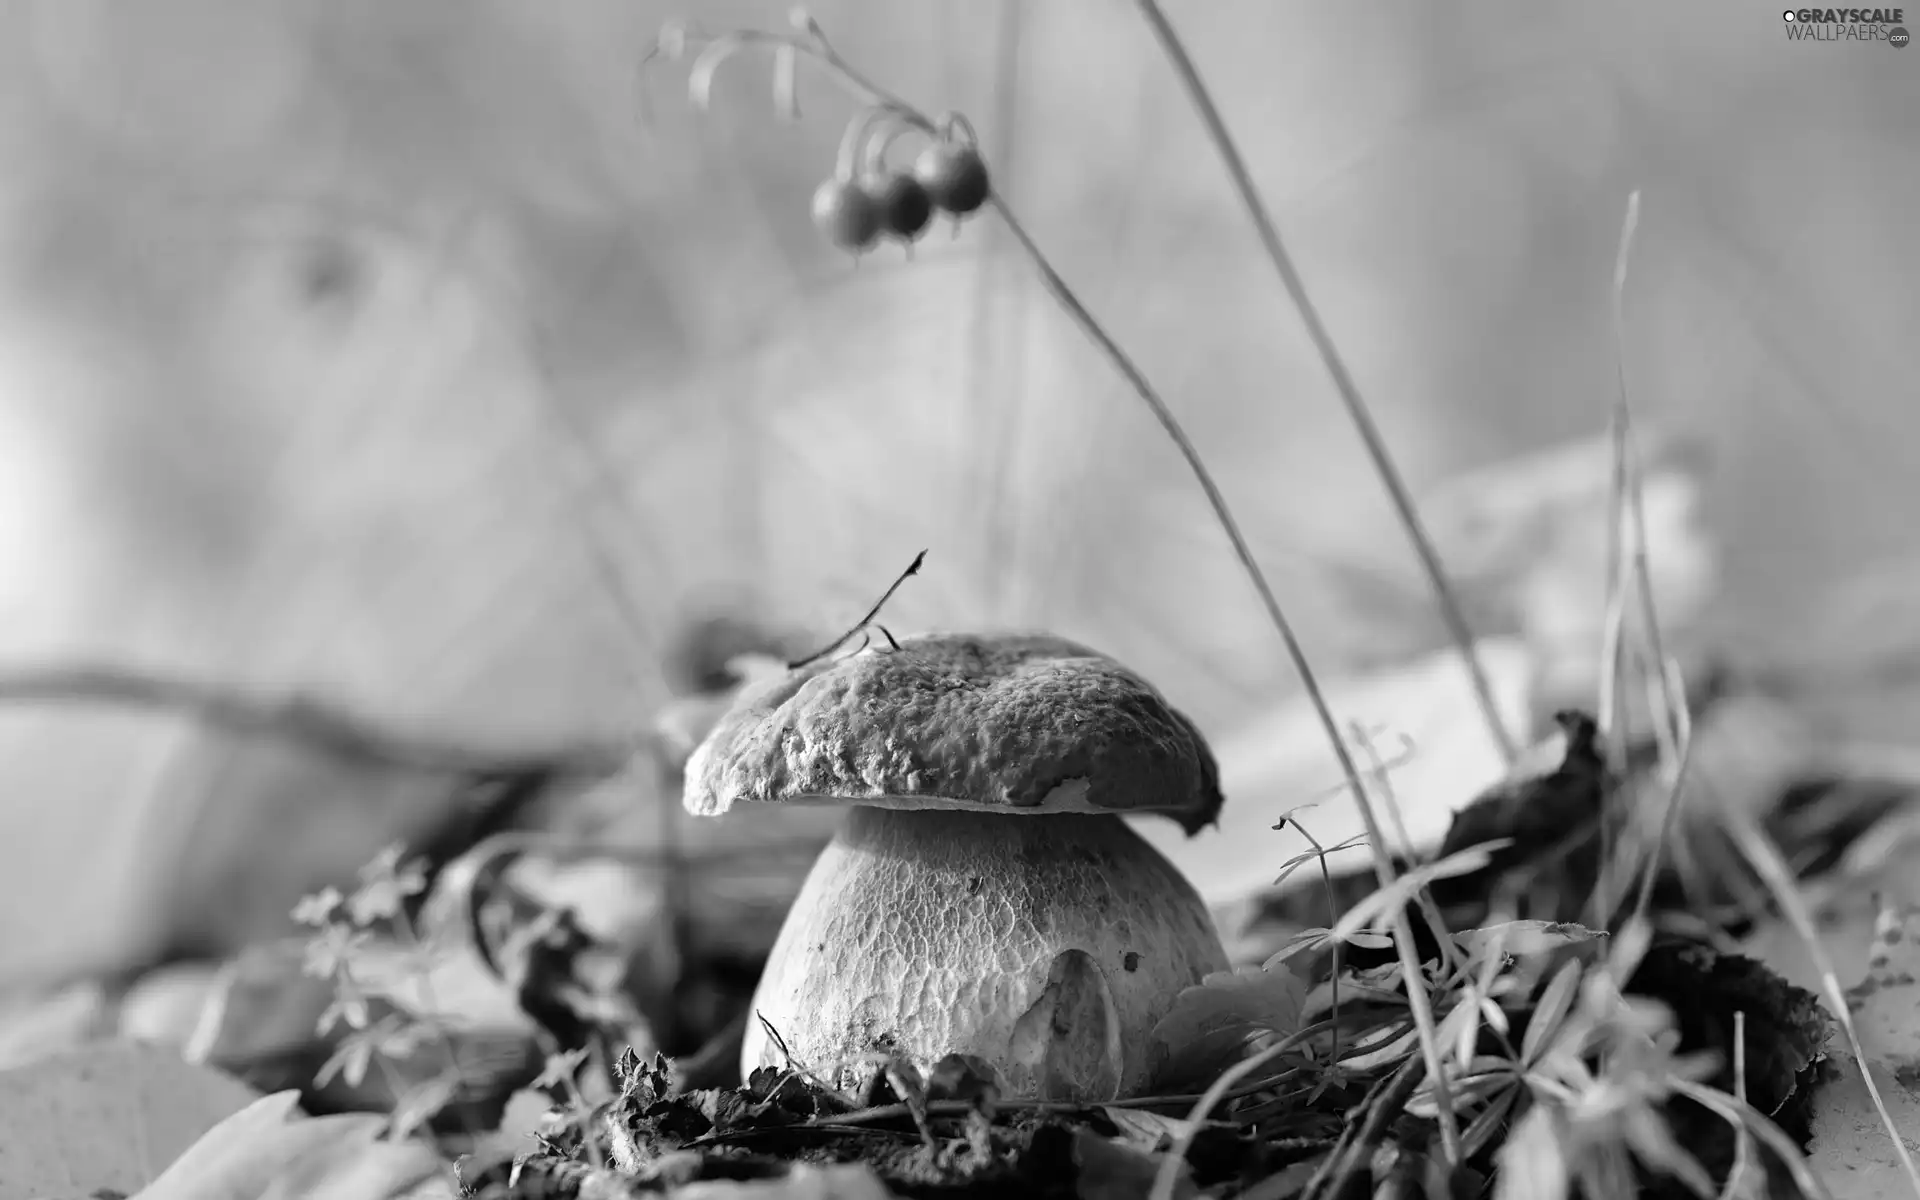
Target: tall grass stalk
[1357, 411]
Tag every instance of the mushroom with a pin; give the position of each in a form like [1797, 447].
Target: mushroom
[983, 896]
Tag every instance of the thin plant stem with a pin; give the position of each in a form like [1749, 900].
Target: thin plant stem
[1738, 1112]
[1170, 424]
[1402, 927]
[1333, 918]
[874, 96]
[1418, 1002]
[1424, 897]
[1627, 463]
[1357, 410]
[1742, 1140]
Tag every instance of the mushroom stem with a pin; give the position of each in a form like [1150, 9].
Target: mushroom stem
[1046, 946]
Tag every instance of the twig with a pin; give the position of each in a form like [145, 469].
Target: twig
[297, 719]
[1357, 411]
[913, 568]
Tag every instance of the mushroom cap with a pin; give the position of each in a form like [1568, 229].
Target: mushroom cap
[1015, 724]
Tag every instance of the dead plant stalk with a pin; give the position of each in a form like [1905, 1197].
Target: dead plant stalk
[1408, 513]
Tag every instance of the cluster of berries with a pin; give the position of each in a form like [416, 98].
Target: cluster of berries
[854, 213]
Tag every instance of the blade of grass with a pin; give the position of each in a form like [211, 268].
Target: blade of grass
[1742, 1140]
[1418, 1002]
[1333, 915]
[1168, 1173]
[1422, 896]
[1765, 858]
[1612, 627]
[1309, 682]
[1357, 410]
[1735, 1112]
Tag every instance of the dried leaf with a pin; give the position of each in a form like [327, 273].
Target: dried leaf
[1527, 939]
[1144, 1130]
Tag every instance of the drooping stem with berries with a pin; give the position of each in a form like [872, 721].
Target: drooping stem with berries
[957, 181]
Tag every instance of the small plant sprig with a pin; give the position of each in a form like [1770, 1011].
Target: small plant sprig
[343, 927]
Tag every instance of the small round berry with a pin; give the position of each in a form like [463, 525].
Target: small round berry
[954, 175]
[846, 214]
[905, 208]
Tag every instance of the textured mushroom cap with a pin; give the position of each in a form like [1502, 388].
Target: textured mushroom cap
[1009, 724]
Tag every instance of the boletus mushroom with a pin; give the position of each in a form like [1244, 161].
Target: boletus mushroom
[983, 895]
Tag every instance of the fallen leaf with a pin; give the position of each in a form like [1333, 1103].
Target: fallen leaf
[1526, 939]
[272, 1151]
[109, 1116]
[1145, 1130]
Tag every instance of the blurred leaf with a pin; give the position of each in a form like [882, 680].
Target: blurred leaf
[271, 1151]
[111, 1116]
[1530, 1163]
[1144, 1129]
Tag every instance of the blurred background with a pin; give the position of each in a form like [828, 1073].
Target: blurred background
[436, 362]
